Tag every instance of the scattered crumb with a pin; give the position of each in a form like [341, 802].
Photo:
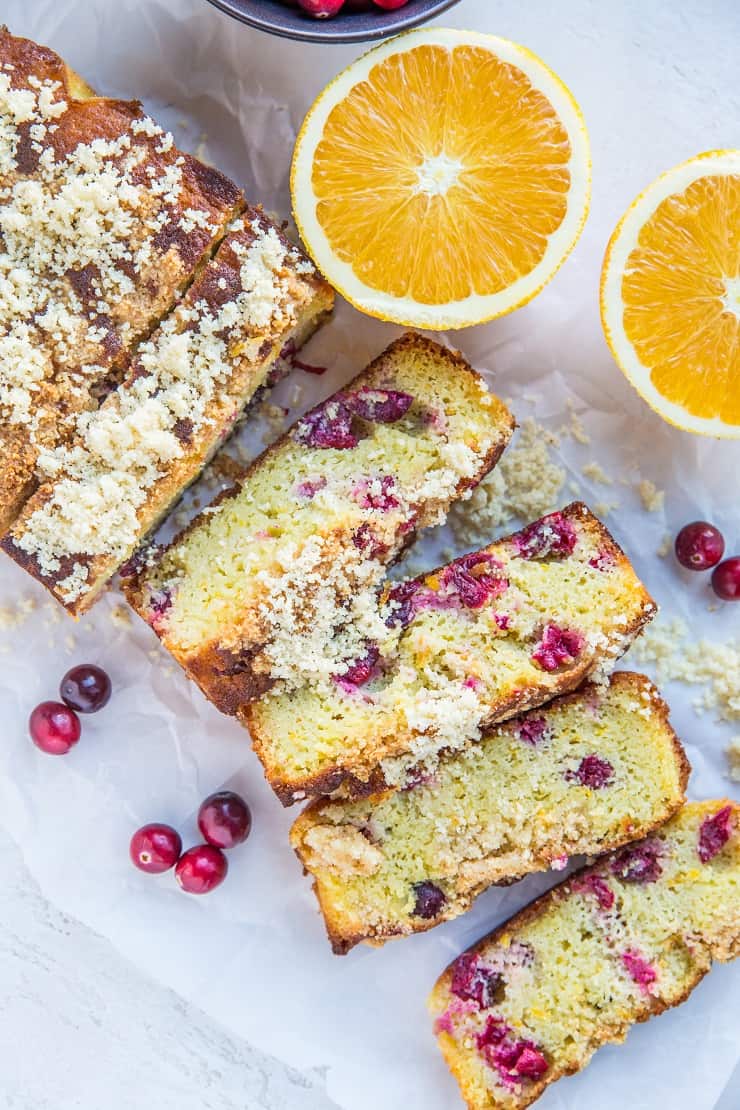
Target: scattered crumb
[69, 643]
[201, 150]
[12, 616]
[678, 657]
[275, 417]
[593, 471]
[603, 508]
[575, 428]
[732, 751]
[665, 545]
[226, 466]
[652, 497]
[574, 488]
[120, 616]
[525, 484]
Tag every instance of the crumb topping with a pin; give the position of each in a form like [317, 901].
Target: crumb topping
[102, 479]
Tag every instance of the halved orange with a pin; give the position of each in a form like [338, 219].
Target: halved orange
[670, 294]
[442, 178]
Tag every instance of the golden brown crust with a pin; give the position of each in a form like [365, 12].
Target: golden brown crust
[723, 948]
[343, 940]
[357, 777]
[231, 680]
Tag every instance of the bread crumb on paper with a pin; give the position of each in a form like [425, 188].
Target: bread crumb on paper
[732, 751]
[665, 545]
[594, 472]
[678, 657]
[652, 498]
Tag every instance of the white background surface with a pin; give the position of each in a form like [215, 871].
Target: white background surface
[81, 1028]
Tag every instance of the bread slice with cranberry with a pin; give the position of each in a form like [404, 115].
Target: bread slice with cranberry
[131, 459]
[284, 570]
[583, 775]
[103, 223]
[487, 637]
[612, 946]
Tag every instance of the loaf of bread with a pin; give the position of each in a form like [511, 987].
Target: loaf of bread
[131, 459]
[103, 223]
[583, 775]
[485, 638]
[277, 581]
[612, 946]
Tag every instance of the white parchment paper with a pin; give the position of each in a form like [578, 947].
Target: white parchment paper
[254, 954]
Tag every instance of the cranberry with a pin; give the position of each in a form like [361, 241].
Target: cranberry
[699, 545]
[54, 727]
[593, 772]
[558, 646]
[376, 493]
[390, 5]
[639, 863]
[430, 900]
[594, 884]
[473, 982]
[365, 540]
[361, 670]
[714, 833]
[726, 579]
[639, 970]
[403, 610]
[380, 406]
[201, 869]
[552, 535]
[514, 1059]
[224, 819]
[85, 688]
[471, 579]
[155, 848]
[532, 730]
[310, 487]
[328, 425]
[321, 9]
[159, 604]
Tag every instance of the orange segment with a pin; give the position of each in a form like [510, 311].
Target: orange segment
[447, 173]
[671, 294]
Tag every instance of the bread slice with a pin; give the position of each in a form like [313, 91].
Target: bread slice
[485, 638]
[584, 774]
[612, 946]
[103, 223]
[285, 568]
[185, 387]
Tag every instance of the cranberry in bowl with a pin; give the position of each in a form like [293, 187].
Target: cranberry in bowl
[329, 21]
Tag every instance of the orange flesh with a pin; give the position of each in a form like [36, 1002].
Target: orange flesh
[680, 315]
[505, 184]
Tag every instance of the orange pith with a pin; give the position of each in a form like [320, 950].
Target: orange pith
[454, 162]
[681, 296]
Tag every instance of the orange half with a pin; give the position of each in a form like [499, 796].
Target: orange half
[442, 178]
[670, 294]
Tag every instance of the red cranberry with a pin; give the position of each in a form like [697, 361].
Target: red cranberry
[552, 535]
[85, 688]
[594, 884]
[532, 730]
[714, 833]
[54, 727]
[726, 579]
[201, 869]
[328, 425]
[224, 819]
[155, 848]
[361, 670]
[639, 863]
[390, 5]
[321, 9]
[558, 646]
[473, 982]
[593, 772]
[471, 579]
[699, 546]
[430, 900]
[376, 493]
[380, 406]
[403, 610]
[639, 970]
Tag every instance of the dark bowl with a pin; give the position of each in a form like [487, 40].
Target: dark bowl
[272, 16]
